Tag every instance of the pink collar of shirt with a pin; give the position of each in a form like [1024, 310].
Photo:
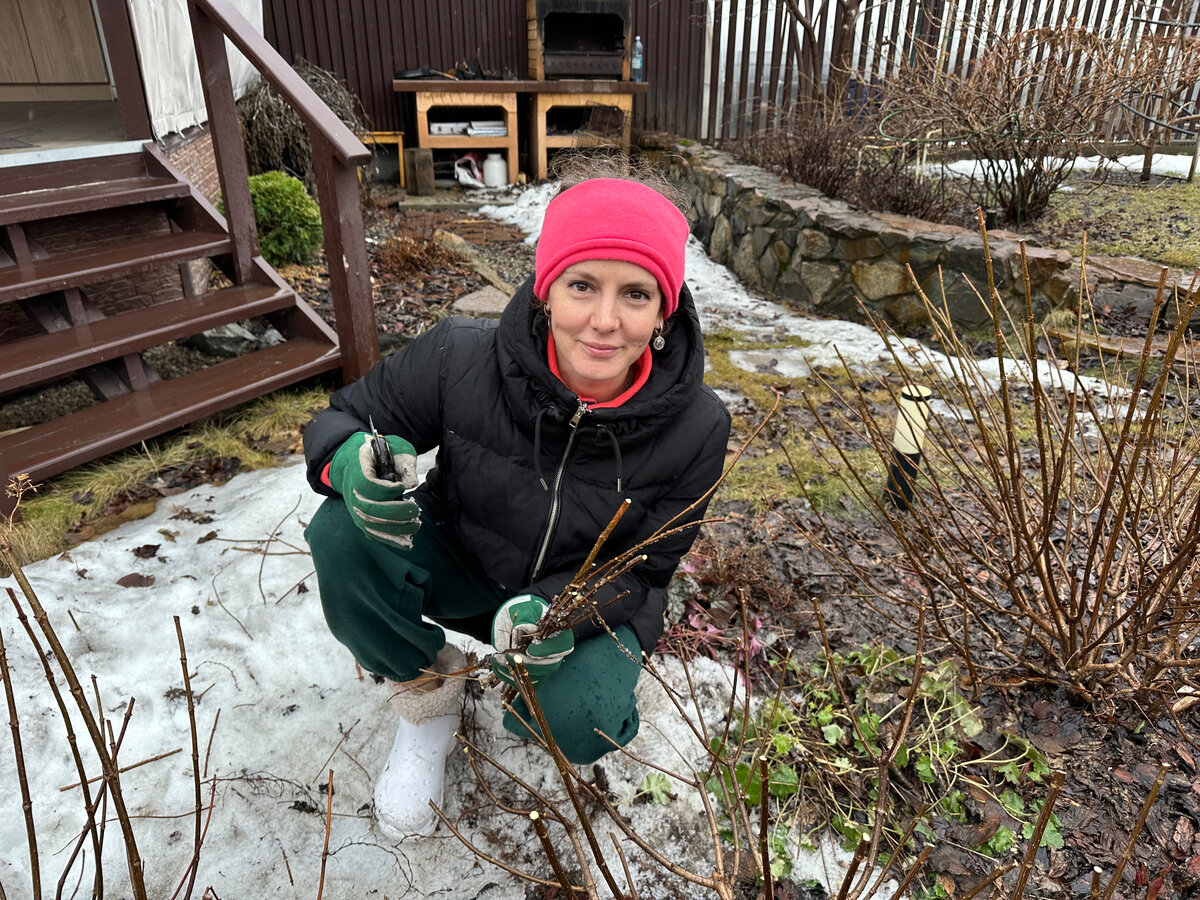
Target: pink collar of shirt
[641, 375]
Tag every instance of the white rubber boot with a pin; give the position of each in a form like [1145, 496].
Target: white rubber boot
[416, 768]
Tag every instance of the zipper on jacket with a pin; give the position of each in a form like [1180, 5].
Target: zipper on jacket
[555, 496]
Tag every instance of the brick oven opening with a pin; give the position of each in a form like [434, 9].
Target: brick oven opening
[579, 38]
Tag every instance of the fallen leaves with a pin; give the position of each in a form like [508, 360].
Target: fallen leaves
[135, 579]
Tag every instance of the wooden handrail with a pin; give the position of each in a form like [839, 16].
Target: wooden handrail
[302, 98]
[336, 153]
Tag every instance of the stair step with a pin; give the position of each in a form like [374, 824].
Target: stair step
[81, 267]
[80, 154]
[48, 203]
[20, 176]
[45, 357]
[54, 447]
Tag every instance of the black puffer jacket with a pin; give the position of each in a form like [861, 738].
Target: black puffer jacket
[526, 477]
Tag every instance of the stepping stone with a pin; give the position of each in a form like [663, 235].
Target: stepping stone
[487, 302]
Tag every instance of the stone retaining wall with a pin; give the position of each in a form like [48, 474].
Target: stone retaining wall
[792, 243]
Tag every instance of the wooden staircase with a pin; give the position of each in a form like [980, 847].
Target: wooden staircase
[71, 277]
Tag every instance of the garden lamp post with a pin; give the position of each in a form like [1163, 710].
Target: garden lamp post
[912, 420]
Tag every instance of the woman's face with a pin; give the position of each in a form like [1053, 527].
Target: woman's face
[603, 313]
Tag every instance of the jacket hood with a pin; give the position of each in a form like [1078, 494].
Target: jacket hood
[532, 390]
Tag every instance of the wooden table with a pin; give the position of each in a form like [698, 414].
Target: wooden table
[434, 92]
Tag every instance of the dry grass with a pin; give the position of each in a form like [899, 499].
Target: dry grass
[402, 256]
[253, 435]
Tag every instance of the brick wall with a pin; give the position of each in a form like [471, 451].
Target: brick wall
[192, 155]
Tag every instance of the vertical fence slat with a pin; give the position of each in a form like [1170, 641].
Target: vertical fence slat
[744, 71]
[349, 35]
[1125, 15]
[715, 79]
[775, 98]
[863, 59]
[756, 87]
[375, 19]
[1192, 18]
[693, 84]
[880, 52]
[308, 47]
[668, 68]
[655, 68]
[899, 38]
[807, 71]
[727, 74]
[976, 39]
[789, 68]
[406, 22]
[460, 48]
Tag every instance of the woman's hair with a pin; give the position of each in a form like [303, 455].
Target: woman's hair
[576, 166]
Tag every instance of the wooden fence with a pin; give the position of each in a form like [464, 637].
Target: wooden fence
[767, 54]
[717, 69]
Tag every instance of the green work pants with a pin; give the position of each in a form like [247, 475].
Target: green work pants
[377, 597]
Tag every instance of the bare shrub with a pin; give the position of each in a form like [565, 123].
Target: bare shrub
[98, 728]
[733, 772]
[815, 150]
[1163, 71]
[275, 136]
[841, 156]
[1025, 110]
[804, 749]
[1056, 537]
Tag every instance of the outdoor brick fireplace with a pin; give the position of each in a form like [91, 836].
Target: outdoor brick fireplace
[579, 38]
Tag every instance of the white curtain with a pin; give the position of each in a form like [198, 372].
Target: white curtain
[168, 58]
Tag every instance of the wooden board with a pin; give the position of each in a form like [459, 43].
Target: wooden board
[16, 62]
[63, 41]
[1131, 348]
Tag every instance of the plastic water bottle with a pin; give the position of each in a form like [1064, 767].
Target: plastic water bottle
[637, 66]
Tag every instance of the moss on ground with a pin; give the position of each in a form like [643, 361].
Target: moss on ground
[791, 460]
[828, 484]
[1157, 220]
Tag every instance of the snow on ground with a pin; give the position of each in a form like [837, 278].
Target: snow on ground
[1175, 165]
[280, 704]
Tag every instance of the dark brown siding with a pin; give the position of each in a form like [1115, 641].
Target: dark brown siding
[366, 41]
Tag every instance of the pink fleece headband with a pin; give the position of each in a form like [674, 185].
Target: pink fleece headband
[610, 218]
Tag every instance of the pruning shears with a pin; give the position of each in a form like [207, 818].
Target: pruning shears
[385, 465]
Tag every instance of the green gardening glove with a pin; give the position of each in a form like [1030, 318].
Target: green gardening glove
[377, 504]
[513, 627]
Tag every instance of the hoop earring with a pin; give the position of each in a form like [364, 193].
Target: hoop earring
[659, 341]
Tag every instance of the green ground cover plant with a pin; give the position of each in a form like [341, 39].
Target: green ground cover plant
[815, 748]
